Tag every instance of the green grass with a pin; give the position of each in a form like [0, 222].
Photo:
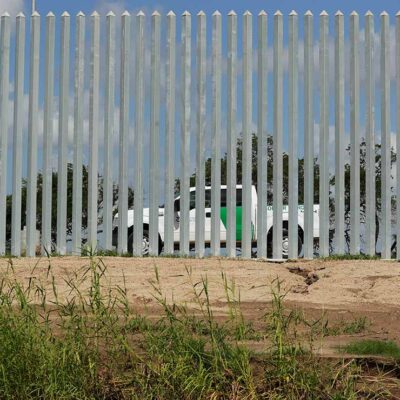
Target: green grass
[374, 347]
[92, 345]
[358, 325]
[343, 327]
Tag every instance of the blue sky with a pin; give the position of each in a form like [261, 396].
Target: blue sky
[87, 6]
[224, 6]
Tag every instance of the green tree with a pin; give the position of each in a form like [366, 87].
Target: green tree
[254, 177]
[85, 186]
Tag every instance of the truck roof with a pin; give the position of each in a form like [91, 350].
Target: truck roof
[209, 187]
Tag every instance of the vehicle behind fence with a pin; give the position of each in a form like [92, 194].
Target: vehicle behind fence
[257, 142]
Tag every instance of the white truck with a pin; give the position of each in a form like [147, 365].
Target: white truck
[223, 214]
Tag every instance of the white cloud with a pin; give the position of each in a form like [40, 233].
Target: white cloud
[119, 6]
[13, 7]
[104, 6]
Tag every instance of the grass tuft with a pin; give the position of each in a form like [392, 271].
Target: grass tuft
[374, 347]
[356, 326]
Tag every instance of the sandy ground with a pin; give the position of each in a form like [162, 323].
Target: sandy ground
[343, 290]
[323, 284]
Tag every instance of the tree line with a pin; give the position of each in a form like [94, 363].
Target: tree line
[270, 167]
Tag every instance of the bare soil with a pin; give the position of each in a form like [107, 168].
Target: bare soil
[341, 290]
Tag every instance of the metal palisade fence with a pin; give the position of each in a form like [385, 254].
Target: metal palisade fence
[254, 139]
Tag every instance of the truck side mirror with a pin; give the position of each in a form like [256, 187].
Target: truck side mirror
[176, 213]
[177, 205]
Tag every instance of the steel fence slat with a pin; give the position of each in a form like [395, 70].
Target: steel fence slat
[386, 200]
[18, 136]
[216, 135]
[293, 135]
[262, 155]
[247, 134]
[184, 222]
[324, 136]
[278, 137]
[78, 133]
[109, 132]
[4, 93]
[354, 135]
[201, 132]
[231, 134]
[63, 135]
[139, 134]
[154, 134]
[398, 134]
[33, 127]
[308, 136]
[169, 221]
[124, 132]
[370, 203]
[339, 134]
[94, 115]
[48, 132]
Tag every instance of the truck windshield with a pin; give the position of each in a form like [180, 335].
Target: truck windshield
[208, 199]
[238, 198]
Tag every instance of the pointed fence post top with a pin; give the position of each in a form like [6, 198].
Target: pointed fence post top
[95, 14]
[22, 15]
[186, 13]
[384, 14]
[262, 13]
[308, 13]
[201, 13]
[5, 15]
[354, 14]
[156, 14]
[216, 13]
[140, 14]
[247, 13]
[35, 14]
[232, 13]
[293, 13]
[369, 13]
[65, 14]
[171, 14]
[339, 14]
[80, 14]
[278, 13]
[126, 14]
[110, 14]
[324, 14]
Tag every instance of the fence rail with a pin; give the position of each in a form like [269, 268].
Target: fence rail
[168, 104]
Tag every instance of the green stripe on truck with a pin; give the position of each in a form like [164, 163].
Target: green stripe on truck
[224, 219]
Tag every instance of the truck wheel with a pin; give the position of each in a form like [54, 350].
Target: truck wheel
[145, 243]
[285, 244]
